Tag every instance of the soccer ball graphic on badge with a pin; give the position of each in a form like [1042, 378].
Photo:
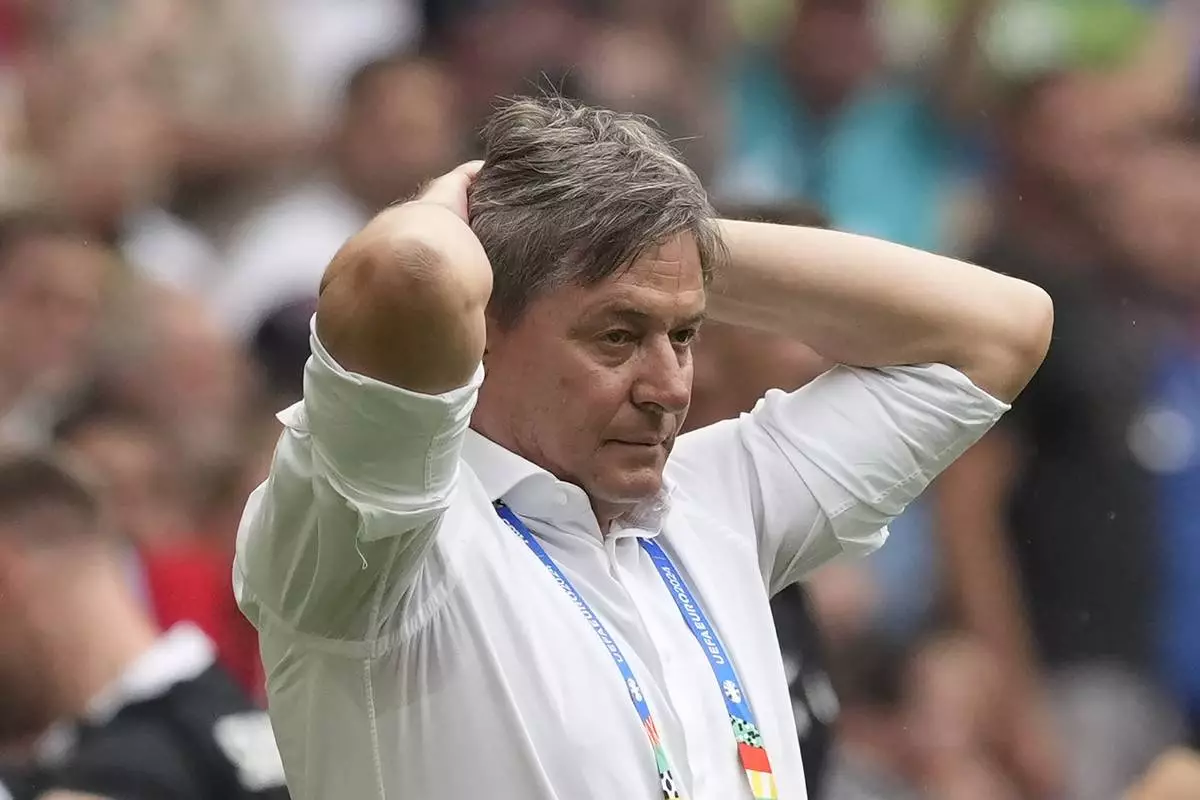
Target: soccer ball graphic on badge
[669, 787]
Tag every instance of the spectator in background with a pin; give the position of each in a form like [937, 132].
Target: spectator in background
[141, 479]
[501, 48]
[211, 76]
[52, 286]
[917, 721]
[165, 356]
[107, 165]
[325, 41]
[175, 563]
[813, 115]
[124, 710]
[398, 126]
[1151, 215]
[874, 759]
[660, 58]
[1052, 507]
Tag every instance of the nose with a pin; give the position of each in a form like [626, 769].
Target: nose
[664, 381]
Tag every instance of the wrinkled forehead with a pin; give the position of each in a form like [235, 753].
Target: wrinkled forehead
[666, 280]
[672, 265]
[663, 286]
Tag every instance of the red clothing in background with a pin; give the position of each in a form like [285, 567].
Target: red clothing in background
[195, 584]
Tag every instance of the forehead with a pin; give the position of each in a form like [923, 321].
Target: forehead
[667, 278]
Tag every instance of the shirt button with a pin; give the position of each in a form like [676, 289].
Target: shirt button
[561, 498]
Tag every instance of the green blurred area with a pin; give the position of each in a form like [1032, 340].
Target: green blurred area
[1021, 37]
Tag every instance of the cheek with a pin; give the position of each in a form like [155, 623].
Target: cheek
[589, 399]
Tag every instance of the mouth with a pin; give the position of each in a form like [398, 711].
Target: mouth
[638, 442]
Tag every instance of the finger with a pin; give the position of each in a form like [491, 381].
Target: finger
[453, 184]
[470, 169]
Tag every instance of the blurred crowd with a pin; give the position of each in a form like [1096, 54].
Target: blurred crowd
[176, 174]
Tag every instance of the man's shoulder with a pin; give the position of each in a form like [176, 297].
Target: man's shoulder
[199, 731]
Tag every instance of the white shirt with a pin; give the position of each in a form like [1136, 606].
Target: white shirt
[415, 647]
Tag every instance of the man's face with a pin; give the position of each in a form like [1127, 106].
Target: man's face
[832, 48]
[593, 383]
[137, 476]
[403, 130]
[26, 695]
[50, 296]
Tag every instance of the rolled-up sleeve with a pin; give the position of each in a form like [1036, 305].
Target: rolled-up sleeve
[824, 469]
[361, 476]
[381, 445]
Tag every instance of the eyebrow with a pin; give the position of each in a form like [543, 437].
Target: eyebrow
[635, 316]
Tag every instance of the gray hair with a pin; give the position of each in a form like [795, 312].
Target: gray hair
[572, 194]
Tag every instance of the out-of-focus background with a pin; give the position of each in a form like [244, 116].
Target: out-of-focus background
[175, 175]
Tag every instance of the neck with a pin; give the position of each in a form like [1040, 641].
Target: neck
[93, 645]
[604, 511]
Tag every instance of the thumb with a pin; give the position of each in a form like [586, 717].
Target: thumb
[450, 190]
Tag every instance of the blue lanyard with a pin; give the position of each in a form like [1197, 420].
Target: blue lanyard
[745, 730]
[731, 688]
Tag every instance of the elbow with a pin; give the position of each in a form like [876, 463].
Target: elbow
[404, 300]
[1016, 351]
[411, 249]
[1031, 339]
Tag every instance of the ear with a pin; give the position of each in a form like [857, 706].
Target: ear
[495, 334]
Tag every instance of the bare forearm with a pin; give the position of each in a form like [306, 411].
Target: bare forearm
[404, 300]
[871, 303]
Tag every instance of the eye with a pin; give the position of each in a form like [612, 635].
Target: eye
[617, 337]
[684, 336]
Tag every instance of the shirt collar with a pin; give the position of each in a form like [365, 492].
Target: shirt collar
[533, 492]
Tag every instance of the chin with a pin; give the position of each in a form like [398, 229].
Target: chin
[627, 476]
[628, 488]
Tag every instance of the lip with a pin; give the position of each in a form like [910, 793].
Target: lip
[638, 442]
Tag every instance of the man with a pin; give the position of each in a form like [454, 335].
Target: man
[398, 124]
[103, 702]
[1055, 510]
[814, 113]
[51, 289]
[918, 720]
[461, 583]
[172, 561]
